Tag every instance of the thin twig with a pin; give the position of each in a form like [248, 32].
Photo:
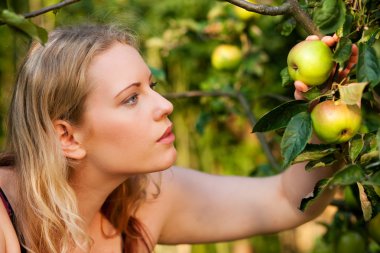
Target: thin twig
[46, 9]
[244, 103]
[264, 9]
[252, 119]
[49, 8]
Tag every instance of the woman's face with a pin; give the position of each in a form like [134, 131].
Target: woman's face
[125, 125]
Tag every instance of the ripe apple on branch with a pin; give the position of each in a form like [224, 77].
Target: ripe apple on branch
[333, 115]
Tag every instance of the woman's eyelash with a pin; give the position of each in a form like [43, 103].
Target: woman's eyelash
[131, 100]
[153, 85]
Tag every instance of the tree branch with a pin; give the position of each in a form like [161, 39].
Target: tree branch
[49, 8]
[262, 8]
[244, 103]
[303, 18]
[290, 7]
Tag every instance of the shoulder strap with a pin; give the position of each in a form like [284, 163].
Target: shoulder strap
[7, 204]
[10, 211]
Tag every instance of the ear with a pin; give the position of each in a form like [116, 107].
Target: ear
[71, 147]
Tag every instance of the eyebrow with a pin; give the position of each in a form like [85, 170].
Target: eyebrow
[136, 84]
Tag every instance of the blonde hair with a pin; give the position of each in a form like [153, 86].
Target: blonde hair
[52, 84]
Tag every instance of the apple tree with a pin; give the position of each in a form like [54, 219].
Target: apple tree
[337, 121]
[342, 111]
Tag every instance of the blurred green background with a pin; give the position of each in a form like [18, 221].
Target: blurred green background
[213, 133]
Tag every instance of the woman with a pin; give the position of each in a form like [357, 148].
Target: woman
[88, 166]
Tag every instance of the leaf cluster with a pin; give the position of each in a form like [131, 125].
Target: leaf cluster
[10, 16]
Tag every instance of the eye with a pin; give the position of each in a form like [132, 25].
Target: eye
[132, 100]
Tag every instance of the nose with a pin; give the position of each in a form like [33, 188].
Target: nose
[163, 109]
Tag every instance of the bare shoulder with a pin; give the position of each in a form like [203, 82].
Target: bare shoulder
[166, 188]
[167, 181]
[6, 176]
[160, 196]
[7, 183]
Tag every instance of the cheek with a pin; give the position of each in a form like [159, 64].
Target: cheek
[121, 147]
[120, 136]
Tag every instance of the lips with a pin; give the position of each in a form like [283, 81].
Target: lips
[168, 136]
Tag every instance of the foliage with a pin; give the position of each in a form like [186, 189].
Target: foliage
[214, 126]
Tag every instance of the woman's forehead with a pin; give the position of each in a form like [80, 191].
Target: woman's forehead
[116, 67]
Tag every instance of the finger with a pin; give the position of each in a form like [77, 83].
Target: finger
[354, 54]
[301, 86]
[335, 37]
[312, 37]
[344, 73]
[329, 40]
[354, 50]
[298, 95]
[350, 65]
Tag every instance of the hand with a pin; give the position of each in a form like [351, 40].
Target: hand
[330, 41]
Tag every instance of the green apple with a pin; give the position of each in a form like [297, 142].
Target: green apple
[226, 57]
[351, 242]
[335, 121]
[310, 61]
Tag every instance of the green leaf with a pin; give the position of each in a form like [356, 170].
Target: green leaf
[323, 162]
[280, 116]
[369, 200]
[372, 37]
[352, 93]
[356, 146]
[373, 180]
[20, 23]
[370, 140]
[318, 190]
[314, 152]
[285, 77]
[330, 15]
[378, 140]
[343, 51]
[296, 136]
[312, 93]
[349, 175]
[288, 26]
[374, 198]
[368, 69]
[367, 157]
[346, 28]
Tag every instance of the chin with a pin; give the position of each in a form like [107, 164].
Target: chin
[168, 161]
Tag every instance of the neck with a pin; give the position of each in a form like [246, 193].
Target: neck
[92, 188]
